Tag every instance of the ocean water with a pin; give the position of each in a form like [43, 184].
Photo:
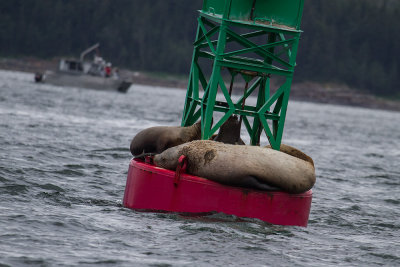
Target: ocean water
[64, 155]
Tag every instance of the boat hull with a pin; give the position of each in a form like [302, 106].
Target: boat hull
[86, 81]
[152, 188]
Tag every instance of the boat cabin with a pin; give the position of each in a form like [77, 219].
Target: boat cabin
[71, 65]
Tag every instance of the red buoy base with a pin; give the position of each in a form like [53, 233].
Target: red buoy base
[152, 188]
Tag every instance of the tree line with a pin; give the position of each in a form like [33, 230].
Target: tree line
[355, 42]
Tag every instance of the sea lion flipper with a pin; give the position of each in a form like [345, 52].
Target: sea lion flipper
[252, 182]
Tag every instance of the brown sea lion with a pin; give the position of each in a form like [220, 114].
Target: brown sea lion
[229, 132]
[244, 166]
[155, 140]
[294, 152]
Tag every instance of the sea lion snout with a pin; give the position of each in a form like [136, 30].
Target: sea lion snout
[168, 159]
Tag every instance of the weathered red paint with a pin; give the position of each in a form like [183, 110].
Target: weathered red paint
[181, 168]
[151, 188]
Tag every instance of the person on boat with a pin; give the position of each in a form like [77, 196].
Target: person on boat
[115, 73]
[107, 69]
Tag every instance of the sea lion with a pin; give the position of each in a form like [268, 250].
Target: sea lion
[244, 166]
[292, 151]
[229, 132]
[155, 140]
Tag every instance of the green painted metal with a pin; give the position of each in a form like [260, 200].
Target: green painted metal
[280, 12]
[253, 40]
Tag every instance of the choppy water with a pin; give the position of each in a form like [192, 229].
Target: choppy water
[63, 163]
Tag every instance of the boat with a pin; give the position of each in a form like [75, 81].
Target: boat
[96, 74]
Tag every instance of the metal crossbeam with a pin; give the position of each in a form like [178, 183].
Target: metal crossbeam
[277, 56]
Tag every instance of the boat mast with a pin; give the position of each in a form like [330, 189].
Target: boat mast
[87, 51]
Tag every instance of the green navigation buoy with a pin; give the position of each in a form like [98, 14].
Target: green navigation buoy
[251, 39]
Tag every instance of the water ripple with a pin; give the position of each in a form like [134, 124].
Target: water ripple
[17, 189]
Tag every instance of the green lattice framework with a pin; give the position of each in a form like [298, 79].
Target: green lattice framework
[252, 39]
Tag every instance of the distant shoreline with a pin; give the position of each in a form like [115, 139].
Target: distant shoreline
[305, 91]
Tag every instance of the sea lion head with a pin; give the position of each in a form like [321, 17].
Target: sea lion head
[168, 159]
[229, 132]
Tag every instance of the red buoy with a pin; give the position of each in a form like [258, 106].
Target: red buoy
[156, 189]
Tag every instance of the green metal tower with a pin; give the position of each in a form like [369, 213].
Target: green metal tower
[249, 39]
